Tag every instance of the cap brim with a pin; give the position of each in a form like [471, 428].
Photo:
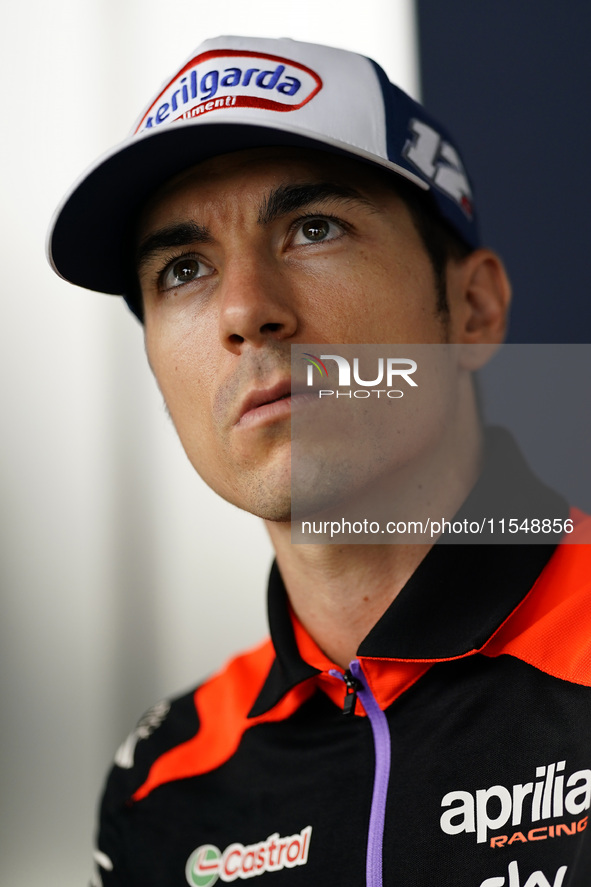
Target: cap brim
[90, 240]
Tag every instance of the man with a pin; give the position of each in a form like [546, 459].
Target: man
[279, 194]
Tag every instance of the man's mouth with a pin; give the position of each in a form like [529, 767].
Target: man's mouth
[267, 404]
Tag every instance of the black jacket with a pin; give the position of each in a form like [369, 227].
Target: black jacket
[465, 761]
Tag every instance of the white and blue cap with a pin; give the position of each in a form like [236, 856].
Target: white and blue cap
[235, 93]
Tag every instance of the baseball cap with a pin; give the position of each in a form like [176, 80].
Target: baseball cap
[235, 93]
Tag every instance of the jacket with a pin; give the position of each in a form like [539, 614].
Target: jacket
[455, 751]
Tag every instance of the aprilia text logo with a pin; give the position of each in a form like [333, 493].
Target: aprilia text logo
[550, 797]
[207, 863]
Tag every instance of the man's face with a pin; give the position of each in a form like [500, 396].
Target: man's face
[246, 254]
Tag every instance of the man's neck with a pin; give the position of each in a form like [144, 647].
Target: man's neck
[339, 592]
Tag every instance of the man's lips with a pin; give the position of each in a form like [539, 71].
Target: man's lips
[267, 404]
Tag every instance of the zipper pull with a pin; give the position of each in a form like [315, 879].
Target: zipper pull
[352, 685]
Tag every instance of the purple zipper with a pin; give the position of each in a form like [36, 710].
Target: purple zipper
[381, 740]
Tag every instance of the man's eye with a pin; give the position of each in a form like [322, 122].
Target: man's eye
[183, 271]
[316, 230]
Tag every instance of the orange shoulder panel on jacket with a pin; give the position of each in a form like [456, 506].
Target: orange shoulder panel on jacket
[223, 703]
[551, 628]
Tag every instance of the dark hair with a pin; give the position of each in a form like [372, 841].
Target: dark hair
[439, 239]
[133, 291]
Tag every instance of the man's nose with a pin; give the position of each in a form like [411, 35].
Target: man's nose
[256, 303]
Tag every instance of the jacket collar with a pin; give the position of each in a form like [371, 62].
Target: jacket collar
[459, 595]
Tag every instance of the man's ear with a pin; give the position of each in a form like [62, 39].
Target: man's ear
[479, 295]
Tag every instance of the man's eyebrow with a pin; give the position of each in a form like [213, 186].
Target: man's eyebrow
[288, 198]
[183, 234]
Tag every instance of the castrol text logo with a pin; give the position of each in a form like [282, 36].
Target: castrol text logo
[207, 863]
[231, 78]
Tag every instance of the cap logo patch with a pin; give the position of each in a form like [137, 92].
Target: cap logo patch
[440, 163]
[232, 78]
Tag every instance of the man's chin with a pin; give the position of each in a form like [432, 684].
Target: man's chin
[275, 513]
[271, 502]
